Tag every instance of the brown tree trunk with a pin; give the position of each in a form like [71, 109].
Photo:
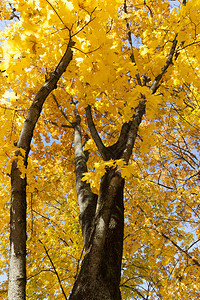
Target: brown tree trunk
[17, 271]
[100, 273]
[102, 219]
[17, 263]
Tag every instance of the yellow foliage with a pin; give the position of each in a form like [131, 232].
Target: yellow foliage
[162, 178]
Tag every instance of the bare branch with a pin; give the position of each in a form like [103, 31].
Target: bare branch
[59, 281]
[169, 62]
[56, 124]
[58, 15]
[151, 13]
[61, 110]
[131, 43]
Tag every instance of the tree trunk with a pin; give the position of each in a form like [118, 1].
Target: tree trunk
[17, 271]
[102, 221]
[17, 263]
[100, 273]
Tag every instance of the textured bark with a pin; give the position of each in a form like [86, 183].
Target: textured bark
[86, 199]
[100, 273]
[17, 264]
[102, 222]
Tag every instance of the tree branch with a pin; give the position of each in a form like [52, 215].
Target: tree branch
[61, 110]
[102, 149]
[56, 124]
[169, 62]
[131, 43]
[58, 15]
[90, 20]
[151, 14]
[179, 248]
[132, 134]
[36, 107]
[54, 268]
[86, 199]
[155, 227]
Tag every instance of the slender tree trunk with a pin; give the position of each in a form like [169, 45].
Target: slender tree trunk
[17, 263]
[17, 271]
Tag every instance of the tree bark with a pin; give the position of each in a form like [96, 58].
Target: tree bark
[17, 263]
[100, 273]
[102, 221]
[86, 199]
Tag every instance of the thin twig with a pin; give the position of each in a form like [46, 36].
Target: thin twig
[151, 14]
[60, 283]
[193, 244]
[83, 27]
[15, 109]
[56, 124]
[130, 42]
[58, 15]
[61, 110]
[91, 19]
[86, 53]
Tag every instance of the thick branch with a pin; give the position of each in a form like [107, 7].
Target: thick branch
[99, 277]
[132, 134]
[102, 149]
[86, 199]
[36, 107]
[117, 149]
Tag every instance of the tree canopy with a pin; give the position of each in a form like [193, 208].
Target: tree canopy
[125, 75]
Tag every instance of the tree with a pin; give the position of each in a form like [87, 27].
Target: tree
[99, 135]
